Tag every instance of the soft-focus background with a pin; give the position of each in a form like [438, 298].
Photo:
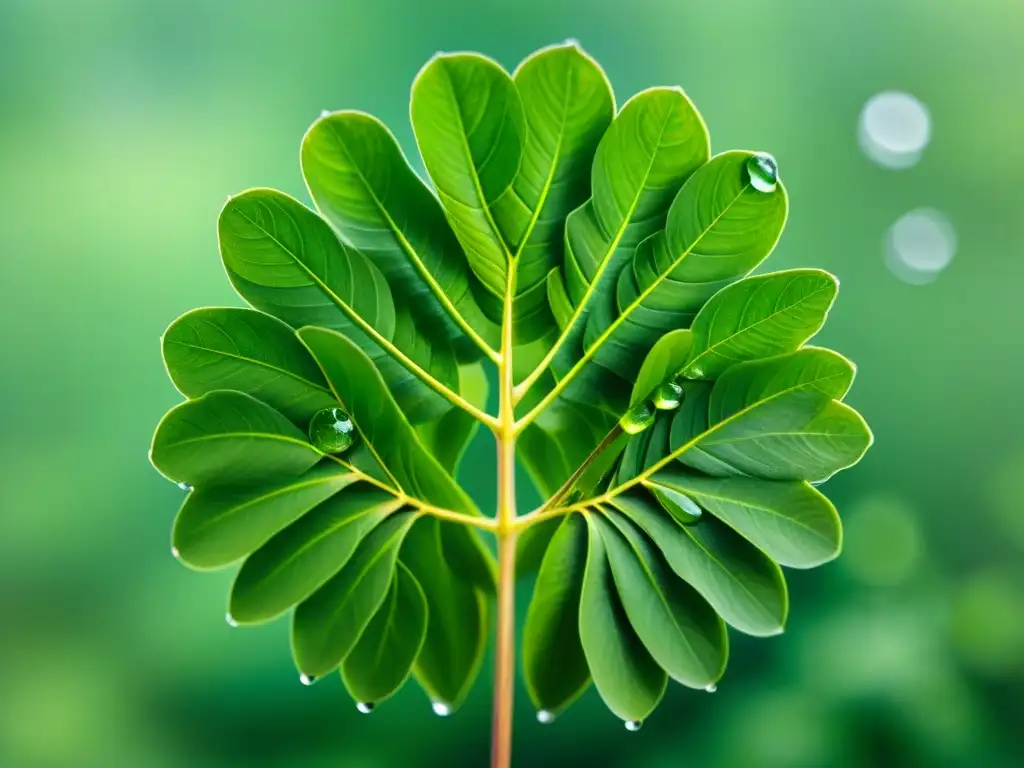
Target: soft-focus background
[124, 125]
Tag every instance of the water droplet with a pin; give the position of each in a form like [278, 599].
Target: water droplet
[571, 41]
[710, 687]
[634, 725]
[229, 198]
[175, 553]
[185, 487]
[366, 707]
[324, 112]
[440, 708]
[230, 620]
[307, 679]
[763, 172]
[894, 129]
[545, 717]
[920, 245]
[638, 418]
[693, 373]
[331, 430]
[668, 396]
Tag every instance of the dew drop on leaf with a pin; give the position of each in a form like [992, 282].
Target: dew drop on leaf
[366, 707]
[306, 679]
[634, 725]
[545, 717]
[440, 708]
[230, 620]
[175, 553]
[185, 487]
[710, 687]
[694, 373]
[668, 396]
[324, 112]
[331, 430]
[638, 418]
[763, 172]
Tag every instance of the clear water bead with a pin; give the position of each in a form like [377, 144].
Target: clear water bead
[710, 687]
[230, 620]
[306, 679]
[366, 707]
[638, 418]
[763, 172]
[185, 487]
[440, 708]
[545, 717]
[668, 396]
[634, 725]
[331, 430]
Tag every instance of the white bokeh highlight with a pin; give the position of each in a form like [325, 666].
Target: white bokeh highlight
[920, 245]
[894, 129]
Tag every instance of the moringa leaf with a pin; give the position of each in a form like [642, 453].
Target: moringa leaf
[759, 317]
[776, 419]
[294, 563]
[666, 358]
[448, 436]
[361, 182]
[458, 620]
[247, 351]
[285, 260]
[554, 665]
[791, 522]
[568, 105]
[384, 655]
[682, 632]
[627, 678]
[470, 128]
[744, 586]
[327, 624]
[229, 438]
[645, 449]
[219, 525]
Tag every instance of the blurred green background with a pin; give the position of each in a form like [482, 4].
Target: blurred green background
[124, 125]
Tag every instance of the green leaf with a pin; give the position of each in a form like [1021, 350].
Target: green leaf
[654, 144]
[285, 260]
[298, 560]
[448, 436]
[718, 229]
[381, 661]
[744, 586]
[568, 105]
[227, 438]
[248, 351]
[645, 448]
[554, 666]
[759, 317]
[470, 128]
[628, 679]
[362, 183]
[793, 523]
[327, 625]
[677, 626]
[383, 428]
[457, 628]
[666, 358]
[219, 525]
[776, 419]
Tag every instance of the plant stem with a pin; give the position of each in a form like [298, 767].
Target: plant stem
[504, 653]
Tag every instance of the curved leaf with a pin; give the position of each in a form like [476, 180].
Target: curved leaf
[285, 260]
[361, 182]
[219, 525]
[470, 128]
[759, 317]
[384, 429]
[568, 105]
[448, 436]
[247, 351]
[744, 586]
[666, 358]
[381, 661]
[776, 419]
[628, 679]
[326, 625]
[226, 438]
[793, 523]
[457, 627]
[294, 563]
[554, 665]
[682, 632]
